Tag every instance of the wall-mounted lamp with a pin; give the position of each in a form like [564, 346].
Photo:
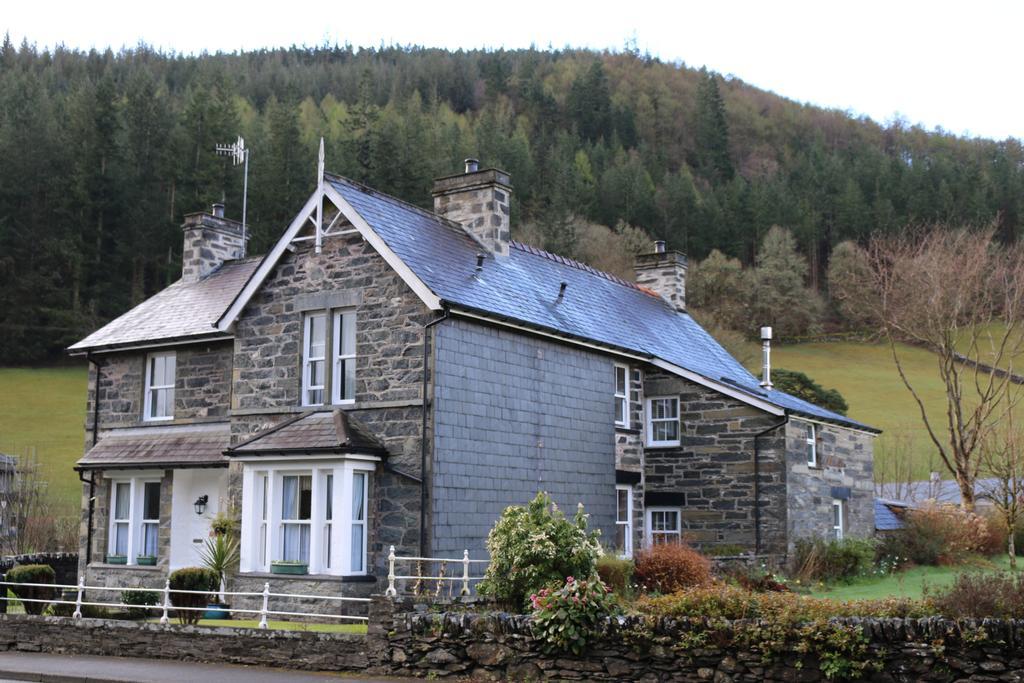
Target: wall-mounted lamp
[200, 504]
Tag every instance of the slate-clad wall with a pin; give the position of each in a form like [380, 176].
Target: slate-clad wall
[515, 415]
[714, 467]
[845, 470]
[348, 273]
[202, 387]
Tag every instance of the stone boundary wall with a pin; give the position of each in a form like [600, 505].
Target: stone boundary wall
[65, 565]
[499, 647]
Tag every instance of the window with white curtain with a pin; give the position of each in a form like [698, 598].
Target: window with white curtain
[336, 381]
[158, 400]
[134, 528]
[312, 512]
[343, 382]
[314, 359]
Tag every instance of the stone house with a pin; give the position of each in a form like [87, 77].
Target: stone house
[387, 375]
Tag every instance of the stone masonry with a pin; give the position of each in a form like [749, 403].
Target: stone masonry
[844, 472]
[209, 241]
[664, 272]
[713, 467]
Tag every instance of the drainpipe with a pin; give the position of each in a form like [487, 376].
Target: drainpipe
[95, 438]
[424, 496]
[757, 482]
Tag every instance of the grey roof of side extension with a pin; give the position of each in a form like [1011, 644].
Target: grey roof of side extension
[182, 311]
[524, 287]
[885, 515]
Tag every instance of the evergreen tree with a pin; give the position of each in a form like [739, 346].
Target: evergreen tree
[780, 297]
[712, 131]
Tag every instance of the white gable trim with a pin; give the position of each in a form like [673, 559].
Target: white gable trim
[310, 208]
[431, 300]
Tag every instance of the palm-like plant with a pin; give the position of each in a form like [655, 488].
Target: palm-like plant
[219, 554]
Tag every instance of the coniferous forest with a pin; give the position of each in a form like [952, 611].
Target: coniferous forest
[101, 154]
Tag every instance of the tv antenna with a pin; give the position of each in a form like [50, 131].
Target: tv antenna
[239, 155]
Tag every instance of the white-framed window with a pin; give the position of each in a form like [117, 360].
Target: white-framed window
[811, 437]
[663, 525]
[343, 382]
[158, 402]
[837, 519]
[663, 421]
[621, 395]
[134, 517]
[314, 359]
[314, 512]
[624, 520]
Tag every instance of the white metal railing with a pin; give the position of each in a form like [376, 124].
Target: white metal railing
[166, 607]
[468, 582]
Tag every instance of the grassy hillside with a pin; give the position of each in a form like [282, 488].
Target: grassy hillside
[44, 409]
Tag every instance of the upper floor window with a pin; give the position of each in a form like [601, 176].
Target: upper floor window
[340, 339]
[134, 519]
[159, 392]
[621, 396]
[314, 359]
[812, 445]
[663, 421]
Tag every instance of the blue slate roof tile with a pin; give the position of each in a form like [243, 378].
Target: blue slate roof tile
[524, 287]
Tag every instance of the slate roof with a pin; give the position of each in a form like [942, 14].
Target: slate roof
[169, 447]
[182, 311]
[886, 518]
[7, 463]
[335, 431]
[524, 287]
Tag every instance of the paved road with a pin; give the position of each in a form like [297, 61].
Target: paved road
[48, 668]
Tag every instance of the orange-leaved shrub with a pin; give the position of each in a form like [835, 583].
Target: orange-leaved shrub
[944, 534]
[669, 567]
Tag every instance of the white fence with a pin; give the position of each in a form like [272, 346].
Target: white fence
[421, 578]
[166, 607]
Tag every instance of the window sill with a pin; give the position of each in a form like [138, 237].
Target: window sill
[131, 567]
[354, 578]
[662, 446]
[626, 430]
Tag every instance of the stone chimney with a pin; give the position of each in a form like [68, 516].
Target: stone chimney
[210, 240]
[665, 273]
[479, 200]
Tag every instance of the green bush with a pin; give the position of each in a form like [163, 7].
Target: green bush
[536, 547]
[143, 598]
[33, 573]
[616, 572]
[566, 619]
[192, 579]
[996, 596]
[818, 559]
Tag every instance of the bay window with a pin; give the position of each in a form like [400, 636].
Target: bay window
[158, 397]
[334, 381]
[663, 421]
[309, 512]
[134, 529]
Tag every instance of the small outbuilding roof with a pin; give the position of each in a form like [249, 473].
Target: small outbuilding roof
[313, 432]
[183, 311]
[171, 447]
[887, 514]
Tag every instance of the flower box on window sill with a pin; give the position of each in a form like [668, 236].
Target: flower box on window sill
[146, 560]
[284, 567]
[117, 559]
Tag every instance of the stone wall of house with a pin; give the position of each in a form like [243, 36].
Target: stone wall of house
[348, 587]
[844, 471]
[202, 388]
[349, 274]
[515, 415]
[713, 467]
[98, 572]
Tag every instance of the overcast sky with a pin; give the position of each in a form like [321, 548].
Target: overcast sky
[955, 65]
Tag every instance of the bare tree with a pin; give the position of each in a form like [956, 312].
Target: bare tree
[960, 295]
[1002, 459]
[21, 498]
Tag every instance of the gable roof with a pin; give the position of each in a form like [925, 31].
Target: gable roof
[523, 287]
[184, 311]
[325, 431]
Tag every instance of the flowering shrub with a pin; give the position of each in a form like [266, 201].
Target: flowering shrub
[535, 547]
[669, 567]
[567, 618]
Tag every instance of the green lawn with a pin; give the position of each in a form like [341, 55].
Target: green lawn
[912, 582]
[43, 410]
[357, 628]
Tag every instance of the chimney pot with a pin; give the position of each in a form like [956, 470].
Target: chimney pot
[218, 210]
[659, 246]
[472, 165]
[766, 360]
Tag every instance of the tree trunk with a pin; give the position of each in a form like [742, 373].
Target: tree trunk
[966, 491]
[1011, 547]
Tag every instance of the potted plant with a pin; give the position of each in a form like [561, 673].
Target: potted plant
[219, 555]
[117, 559]
[146, 560]
[289, 567]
